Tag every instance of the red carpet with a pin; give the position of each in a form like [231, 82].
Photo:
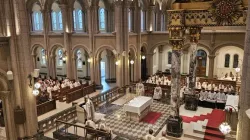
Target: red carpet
[151, 117]
[195, 118]
[212, 130]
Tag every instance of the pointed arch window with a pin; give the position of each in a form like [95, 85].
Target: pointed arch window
[143, 21]
[129, 20]
[79, 59]
[43, 56]
[102, 20]
[57, 24]
[227, 61]
[37, 19]
[78, 19]
[60, 57]
[236, 61]
[169, 57]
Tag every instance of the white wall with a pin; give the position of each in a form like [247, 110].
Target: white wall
[219, 69]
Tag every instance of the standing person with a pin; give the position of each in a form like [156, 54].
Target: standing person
[90, 109]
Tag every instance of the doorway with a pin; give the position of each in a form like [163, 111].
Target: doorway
[201, 63]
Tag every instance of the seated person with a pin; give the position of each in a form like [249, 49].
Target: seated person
[150, 136]
[198, 85]
[203, 95]
[157, 93]
[209, 87]
[221, 99]
[210, 102]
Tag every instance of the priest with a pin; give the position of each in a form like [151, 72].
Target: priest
[140, 89]
[157, 92]
[90, 109]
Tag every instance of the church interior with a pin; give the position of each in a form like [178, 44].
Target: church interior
[124, 70]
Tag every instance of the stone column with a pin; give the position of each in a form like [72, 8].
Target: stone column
[21, 67]
[150, 17]
[74, 68]
[137, 29]
[244, 104]
[8, 115]
[67, 46]
[176, 39]
[211, 66]
[46, 28]
[194, 37]
[160, 58]
[52, 66]
[34, 60]
[149, 59]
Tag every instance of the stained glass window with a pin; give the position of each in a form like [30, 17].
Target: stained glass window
[60, 20]
[78, 19]
[54, 20]
[102, 21]
[60, 58]
[79, 59]
[227, 60]
[37, 18]
[43, 56]
[57, 24]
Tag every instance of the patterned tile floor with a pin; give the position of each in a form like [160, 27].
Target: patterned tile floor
[133, 130]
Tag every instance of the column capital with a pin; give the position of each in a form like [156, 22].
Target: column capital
[211, 56]
[63, 6]
[194, 33]
[177, 44]
[118, 3]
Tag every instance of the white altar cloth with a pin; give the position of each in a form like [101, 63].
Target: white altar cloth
[232, 100]
[138, 104]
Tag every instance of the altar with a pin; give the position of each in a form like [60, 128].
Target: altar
[138, 107]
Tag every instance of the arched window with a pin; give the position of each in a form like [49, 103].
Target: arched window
[37, 18]
[129, 19]
[60, 57]
[169, 57]
[227, 61]
[163, 24]
[143, 21]
[102, 20]
[236, 61]
[43, 56]
[78, 17]
[79, 59]
[155, 21]
[56, 16]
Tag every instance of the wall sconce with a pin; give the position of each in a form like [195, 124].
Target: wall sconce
[143, 57]
[132, 62]
[10, 75]
[32, 77]
[64, 59]
[89, 60]
[117, 62]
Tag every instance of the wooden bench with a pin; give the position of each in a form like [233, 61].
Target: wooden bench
[46, 107]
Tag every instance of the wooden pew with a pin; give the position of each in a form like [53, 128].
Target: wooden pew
[46, 107]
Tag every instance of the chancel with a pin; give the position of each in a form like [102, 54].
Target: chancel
[124, 69]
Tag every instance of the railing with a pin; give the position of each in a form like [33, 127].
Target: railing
[70, 113]
[46, 107]
[108, 96]
[62, 131]
[50, 122]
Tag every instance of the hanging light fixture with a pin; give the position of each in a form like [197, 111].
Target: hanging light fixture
[37, 85]
[143, 57]
[89, 60]
[117, 62]
[237, 69]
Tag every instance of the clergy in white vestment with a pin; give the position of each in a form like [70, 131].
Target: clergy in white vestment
[199, 85]
[157, 93]
[91, 123]
[169, 82]
[49, 89]
[211, 96]
[63, 85]
[221, 97]
[216, 88]
[55, 88]
[203, 95]
[139, 89]
[209, 87]
[90, 109]
[75, 84]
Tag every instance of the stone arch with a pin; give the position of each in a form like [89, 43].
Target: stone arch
[225, 45]
[145, 46]
[29, 4]
[4, 83]
[200, 45]
[48, 3]
[54, 47]
[81, 46]
[158, 44]
[133, 47]
[104, 47]
[35, 47]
